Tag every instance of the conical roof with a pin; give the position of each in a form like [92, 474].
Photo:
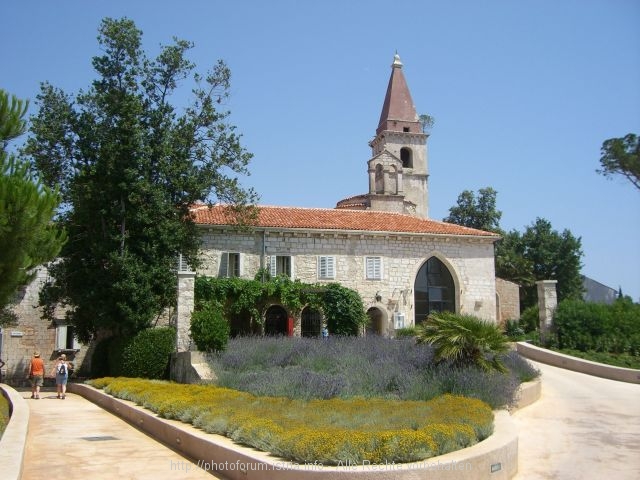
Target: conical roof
[398, 112]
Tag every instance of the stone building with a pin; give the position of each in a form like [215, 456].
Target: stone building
[381, 243]
[32, 333]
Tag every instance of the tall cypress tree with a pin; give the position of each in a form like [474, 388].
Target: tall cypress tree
[129, 165]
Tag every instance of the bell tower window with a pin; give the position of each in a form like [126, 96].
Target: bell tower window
[406, 155]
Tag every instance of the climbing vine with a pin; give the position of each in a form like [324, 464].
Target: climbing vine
[342, 307]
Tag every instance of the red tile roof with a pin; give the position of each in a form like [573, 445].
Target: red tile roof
[332, 219]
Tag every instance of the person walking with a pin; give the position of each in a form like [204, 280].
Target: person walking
[61, 372]
[36, 374]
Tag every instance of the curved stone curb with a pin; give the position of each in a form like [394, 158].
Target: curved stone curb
[14, 439]
[528, 393]
[561, 360]
[493, 458]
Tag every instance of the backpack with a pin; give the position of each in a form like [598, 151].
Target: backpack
[62, 369]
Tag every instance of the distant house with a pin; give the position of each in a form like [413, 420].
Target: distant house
[595, 291]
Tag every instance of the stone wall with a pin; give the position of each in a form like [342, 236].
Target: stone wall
[33, 333]
[508, 300]
[470, 261]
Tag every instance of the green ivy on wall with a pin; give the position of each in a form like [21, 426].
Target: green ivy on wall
[341, 306]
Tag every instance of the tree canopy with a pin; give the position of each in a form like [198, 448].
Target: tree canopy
[28, 237]
[540, 253]
[621, 156]
[129, 165]
[476, 212]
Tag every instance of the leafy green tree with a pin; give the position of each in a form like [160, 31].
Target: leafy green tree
[476, 212]
[464, 340]
[28, 236]
[551, 256]
[621, 156]
[129, 165]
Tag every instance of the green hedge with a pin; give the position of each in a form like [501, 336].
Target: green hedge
[146, 355]
[209, 330]
[598, 327]
[149, 352]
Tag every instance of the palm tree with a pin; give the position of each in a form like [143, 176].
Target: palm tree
[464, 340]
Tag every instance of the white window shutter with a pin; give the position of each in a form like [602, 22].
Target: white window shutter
[326, 267]
[224, 264]
[292, 268]
[61, 337]
[240, 264]
[273, 265]
[373, 268]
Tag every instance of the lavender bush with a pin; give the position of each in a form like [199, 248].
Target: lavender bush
[308, 368]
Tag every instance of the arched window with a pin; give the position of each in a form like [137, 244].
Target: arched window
[406, 155]
[379, 179]
[393, 180]
[434, 290]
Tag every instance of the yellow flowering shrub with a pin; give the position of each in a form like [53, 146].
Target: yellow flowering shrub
[331, 432]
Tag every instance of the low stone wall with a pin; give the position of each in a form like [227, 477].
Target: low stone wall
[493, 458]
[557, 359]
[528, 393]
[190, 367]
[13, 441]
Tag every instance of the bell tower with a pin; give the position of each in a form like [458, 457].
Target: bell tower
[398, 167]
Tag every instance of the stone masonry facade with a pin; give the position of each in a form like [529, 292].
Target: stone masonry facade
[32, 333]
[469, 260]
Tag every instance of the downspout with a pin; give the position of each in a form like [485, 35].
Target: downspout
[263, 261]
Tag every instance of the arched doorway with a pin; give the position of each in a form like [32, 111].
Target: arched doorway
[275, 321]
[311, 322]
[434, 290]
[375, 325]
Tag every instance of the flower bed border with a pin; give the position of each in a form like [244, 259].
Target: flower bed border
[494, 458]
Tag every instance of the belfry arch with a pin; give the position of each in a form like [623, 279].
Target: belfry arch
[434, 289]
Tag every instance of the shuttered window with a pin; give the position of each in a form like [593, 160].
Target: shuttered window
[326, 267]
[281, 265]
[230, 265]
[373, 268]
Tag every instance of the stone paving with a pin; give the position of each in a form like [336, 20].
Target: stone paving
[583, 427]
[73, 439]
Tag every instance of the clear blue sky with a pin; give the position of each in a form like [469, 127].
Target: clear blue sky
[523, 94]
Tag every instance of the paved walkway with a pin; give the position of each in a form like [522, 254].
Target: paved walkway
[73, 439]
[582, 428]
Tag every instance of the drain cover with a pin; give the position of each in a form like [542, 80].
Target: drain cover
[99, 439]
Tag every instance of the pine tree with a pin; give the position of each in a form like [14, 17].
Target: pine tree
[28, 237]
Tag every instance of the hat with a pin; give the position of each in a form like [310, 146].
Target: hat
[36, 354]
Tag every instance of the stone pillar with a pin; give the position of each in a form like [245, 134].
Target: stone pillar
[547, 302]
[186, 301]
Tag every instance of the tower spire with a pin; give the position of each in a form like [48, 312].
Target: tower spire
[398, 112]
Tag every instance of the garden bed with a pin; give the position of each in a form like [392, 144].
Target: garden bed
[331, 432]
[370, 367]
